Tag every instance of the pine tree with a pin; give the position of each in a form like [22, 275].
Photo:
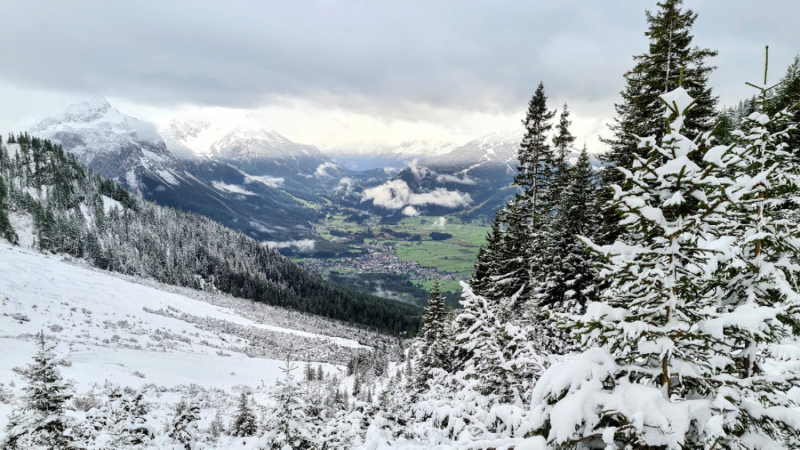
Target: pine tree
[6, 230]
[670, 56]
[309, 372]
[525, 214]
[487, 265]
[563, 144]
[184, 430]
[287, 427]
[244, 423]
[133, 430]
[320, 373]
[569, 278]
[690, 306]
[434, 345]
[217, 426]
[40, 422]
[787, 96]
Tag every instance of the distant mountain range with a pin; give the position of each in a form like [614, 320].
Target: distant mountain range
[234, 169]
[374, 155]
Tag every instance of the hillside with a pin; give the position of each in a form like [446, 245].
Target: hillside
[73, 211]
[166, 342]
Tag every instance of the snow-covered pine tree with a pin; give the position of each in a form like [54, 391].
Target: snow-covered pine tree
[525, 214]
[287, 427]
[665, 364]
[655, 73]
[6, 230]
[40, 421]
[133, 430]
[244, 422]
[498, 357]
[217, 426]
[787, 95]
[568, 277]
[563, 143]
[487, 264]
[184, 430]
[434, 339]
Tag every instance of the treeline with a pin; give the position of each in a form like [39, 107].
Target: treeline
[84, 215]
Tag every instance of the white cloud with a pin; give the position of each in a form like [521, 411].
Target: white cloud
[301, 244]
[232, 188]
[396, 194]
[454, 179]
[410, 211]
[273, 182]
[345, 186]
[322, 170]
[440, 223]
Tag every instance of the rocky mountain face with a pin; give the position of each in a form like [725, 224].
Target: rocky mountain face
[113, 144]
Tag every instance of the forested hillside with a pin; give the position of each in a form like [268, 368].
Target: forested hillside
[84, 215]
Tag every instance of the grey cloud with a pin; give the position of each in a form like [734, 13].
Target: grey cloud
[387, 58]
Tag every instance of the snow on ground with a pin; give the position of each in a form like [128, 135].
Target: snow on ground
[140, 333]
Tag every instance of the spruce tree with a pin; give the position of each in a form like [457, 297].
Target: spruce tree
[563, 142]
[656, 72]
[525, 214]
[434, 347]
[184, 430]
[244, 423]
[6, 230]
[40, 421]
[287, 426]
[787, 96]
[569, 279]
[217, 426]
[691, 306]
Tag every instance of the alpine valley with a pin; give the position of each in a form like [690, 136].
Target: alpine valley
[323, 208]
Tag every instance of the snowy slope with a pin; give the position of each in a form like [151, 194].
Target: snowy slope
[122, 330]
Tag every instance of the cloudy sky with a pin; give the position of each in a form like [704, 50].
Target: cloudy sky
[326, 72]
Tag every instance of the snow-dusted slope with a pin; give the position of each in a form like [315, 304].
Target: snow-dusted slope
[135, 333]
[113, 144]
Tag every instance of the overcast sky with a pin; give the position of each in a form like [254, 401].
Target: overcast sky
[328, 71]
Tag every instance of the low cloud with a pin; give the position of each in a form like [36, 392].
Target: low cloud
[440, 223]
[345, 186]
[322, 170]
[300, 244]
[232, 188]
[396, 194]
[454, 179]
[410, 211]
[273, 182]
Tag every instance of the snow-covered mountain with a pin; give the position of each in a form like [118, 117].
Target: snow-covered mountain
[113, 144]
[374, 155]
[498, 147]
[133, 153]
